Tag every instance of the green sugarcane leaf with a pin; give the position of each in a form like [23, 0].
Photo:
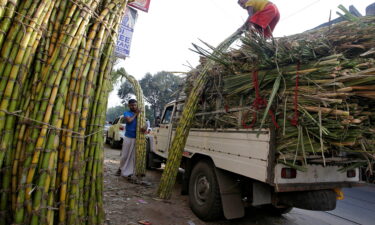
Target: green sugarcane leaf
[275, 89]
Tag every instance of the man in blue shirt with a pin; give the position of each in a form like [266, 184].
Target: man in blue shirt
[127, 162]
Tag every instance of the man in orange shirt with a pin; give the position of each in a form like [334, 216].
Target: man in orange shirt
[263, 16]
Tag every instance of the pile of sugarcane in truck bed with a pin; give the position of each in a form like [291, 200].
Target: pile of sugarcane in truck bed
[316, 89]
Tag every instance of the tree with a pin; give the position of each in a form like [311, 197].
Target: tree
[149, 115]
[158, 89]
[126, 91]
[114, 112]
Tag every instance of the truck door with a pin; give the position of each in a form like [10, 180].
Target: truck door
[164, 132]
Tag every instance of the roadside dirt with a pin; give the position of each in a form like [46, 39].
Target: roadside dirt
[127, 203]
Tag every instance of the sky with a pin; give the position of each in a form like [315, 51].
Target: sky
[162, 37]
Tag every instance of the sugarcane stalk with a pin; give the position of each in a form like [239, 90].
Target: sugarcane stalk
[71, 142]
[7, 140]
[327, 111]
[182, 131]
[140, 168]
[106, 69]
[7, 19]
[342, 82]
[40, 141]
[19, 61]
[54, 91]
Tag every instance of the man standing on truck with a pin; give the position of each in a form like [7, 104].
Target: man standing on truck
[263, 16]
[127, 161]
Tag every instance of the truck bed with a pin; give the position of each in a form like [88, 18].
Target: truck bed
[238, 151]
[246, 153]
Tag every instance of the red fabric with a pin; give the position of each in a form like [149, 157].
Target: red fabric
[266, 19]
[226, 107]
[258, 103]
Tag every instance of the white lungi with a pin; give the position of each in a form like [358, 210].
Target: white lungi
[127, 162]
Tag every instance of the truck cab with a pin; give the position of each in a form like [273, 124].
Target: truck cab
[226, 170]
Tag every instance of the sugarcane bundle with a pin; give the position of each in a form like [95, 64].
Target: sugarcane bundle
[317, 89]
[140, 169]
[56, 59]
[169, 176]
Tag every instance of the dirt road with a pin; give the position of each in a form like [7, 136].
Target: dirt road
[127, 203]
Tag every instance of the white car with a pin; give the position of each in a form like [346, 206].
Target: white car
[106, 127]
[116, 132]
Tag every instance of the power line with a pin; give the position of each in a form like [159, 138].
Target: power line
[300, 10]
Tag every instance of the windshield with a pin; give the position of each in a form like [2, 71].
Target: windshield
[167, 115]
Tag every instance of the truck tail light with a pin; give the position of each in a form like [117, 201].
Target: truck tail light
[121, 128]
[350, 173]
[288, 173]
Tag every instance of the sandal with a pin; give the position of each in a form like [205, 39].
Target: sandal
[133, 180]
[118, 173]
[146, 183]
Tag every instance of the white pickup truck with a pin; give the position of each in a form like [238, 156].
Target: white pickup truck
[116, 132]
[227, 170]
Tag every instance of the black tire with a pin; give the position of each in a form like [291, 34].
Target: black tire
[206, 202]
[150, 158]
[107, 141]
[321, 200]
[113, 143]
[278, 210]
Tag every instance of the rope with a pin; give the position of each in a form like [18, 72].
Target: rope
[294, 121]
[49, 125]
[81, 6]
[258, 104]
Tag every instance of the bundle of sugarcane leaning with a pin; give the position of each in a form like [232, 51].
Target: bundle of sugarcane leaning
[56, 59]
[317, 89]
[140, 145]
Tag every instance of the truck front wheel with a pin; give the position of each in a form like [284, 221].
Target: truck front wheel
[204, 193]
[151, 162]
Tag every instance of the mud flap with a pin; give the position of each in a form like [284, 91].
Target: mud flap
[230, 192]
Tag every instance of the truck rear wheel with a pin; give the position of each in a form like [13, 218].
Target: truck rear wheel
[278, 210]
[204, 193]
[320, 200]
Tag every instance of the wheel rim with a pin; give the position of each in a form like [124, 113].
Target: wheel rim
[202, 189]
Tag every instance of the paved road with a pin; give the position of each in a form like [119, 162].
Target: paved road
[358, 207]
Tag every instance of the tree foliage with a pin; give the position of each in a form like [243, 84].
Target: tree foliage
[114, 112]
[125, 92]
[158, 89]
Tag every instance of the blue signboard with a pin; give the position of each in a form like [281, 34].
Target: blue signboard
[125, 33]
